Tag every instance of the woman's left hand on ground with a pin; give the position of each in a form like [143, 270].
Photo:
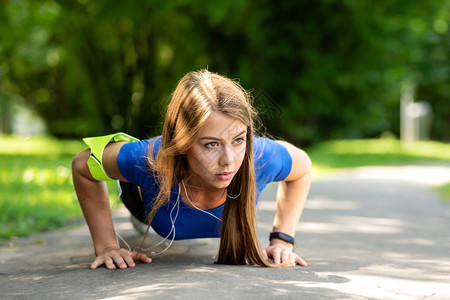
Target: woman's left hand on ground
[282, 253]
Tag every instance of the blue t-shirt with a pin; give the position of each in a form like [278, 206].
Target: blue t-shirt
[272, 163]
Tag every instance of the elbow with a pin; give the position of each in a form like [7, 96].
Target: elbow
[307, 163]
[302, 167]
[301, 163]
[79, 164]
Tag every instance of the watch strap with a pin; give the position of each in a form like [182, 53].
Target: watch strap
[282, 236]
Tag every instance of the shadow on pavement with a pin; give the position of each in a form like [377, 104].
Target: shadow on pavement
[363, 238]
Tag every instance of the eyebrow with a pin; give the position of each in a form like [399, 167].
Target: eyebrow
[217, 139]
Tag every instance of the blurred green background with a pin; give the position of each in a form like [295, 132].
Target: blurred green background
[318, 71]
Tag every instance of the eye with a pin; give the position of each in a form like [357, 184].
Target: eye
[211, 145]
[239, 141]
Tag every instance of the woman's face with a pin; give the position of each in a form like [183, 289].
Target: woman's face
[217, 153]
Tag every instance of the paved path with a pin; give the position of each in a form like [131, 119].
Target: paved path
[374, 233]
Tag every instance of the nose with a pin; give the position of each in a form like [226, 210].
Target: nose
[227, 156]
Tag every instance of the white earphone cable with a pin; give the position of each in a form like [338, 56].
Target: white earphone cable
[206, 212]
[119, 190]
[177, 204]
[172, 220]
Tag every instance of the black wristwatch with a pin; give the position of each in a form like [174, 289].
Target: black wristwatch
[282, 236]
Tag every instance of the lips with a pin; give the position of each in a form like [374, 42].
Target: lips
[224, 176]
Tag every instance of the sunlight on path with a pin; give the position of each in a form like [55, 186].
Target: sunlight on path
[428, 175]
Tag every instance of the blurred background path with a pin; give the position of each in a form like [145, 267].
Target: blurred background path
[372, 232]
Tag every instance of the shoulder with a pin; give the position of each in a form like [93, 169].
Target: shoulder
[272, 160]
[133, 157]
[285, 159]
[301, 163]
[140, 148]
[266, 148]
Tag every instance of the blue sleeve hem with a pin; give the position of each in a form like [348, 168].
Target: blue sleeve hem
[287, 160]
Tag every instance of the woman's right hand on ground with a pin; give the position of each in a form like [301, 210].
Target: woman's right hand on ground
[113, 257]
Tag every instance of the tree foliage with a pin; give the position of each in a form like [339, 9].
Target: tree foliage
[317, 69]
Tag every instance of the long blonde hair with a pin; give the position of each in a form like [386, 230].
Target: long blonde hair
[197, 96]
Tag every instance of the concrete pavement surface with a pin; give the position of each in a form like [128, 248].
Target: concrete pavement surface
[367, 233]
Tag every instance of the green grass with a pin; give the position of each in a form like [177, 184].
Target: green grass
[340, 154]
[36, 191]
[443, 191]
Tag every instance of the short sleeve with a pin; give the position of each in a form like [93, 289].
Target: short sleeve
[272, 161]
[132, 160]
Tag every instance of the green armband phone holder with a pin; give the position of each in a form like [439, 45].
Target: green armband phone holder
[97, 145]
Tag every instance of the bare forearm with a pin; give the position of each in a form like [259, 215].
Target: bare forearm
[94, 202]
[291, 198]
